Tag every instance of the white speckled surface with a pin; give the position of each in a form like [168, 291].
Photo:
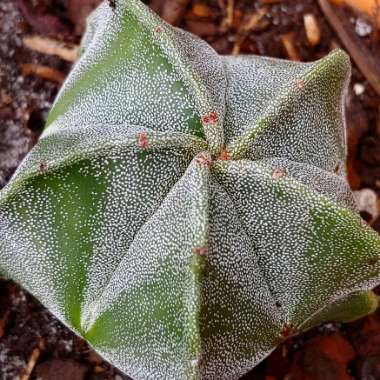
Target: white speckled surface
[186, 212]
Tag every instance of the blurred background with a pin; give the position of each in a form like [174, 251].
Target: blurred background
[38, 44]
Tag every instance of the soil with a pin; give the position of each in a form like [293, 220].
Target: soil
[30, 337]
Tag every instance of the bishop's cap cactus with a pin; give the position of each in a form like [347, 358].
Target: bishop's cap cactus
[186, 212]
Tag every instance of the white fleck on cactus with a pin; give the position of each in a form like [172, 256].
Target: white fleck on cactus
[186, 212]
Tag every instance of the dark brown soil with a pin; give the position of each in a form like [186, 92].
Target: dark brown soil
[28, 332]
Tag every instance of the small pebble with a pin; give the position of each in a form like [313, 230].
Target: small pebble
[362, 27]
[359, 89]
[366, 200]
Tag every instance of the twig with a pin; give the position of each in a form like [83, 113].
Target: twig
[313, 32]
[32, 361]
[359, 53]
[43, 72]
[250, 24]
[50, 46]
[253, 20]
[290, 48]
[229, 19]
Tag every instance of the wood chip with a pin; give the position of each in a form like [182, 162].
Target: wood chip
[94, 358]
[44, 72]
[98, 369]
[313, 32]
[363, 58]
[5, 99]
[201, 10]
[289, 46]
[50, 46]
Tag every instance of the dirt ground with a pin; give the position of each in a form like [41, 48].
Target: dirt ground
[33, 344]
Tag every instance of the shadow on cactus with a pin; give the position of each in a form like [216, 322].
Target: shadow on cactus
[185, 212]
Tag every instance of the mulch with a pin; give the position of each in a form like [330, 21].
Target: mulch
[33, 344]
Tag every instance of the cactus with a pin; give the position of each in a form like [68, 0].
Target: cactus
[185, 212]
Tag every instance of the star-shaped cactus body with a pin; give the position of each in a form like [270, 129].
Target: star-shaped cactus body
[185, 212]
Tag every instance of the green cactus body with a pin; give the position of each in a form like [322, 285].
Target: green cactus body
[184, 212]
